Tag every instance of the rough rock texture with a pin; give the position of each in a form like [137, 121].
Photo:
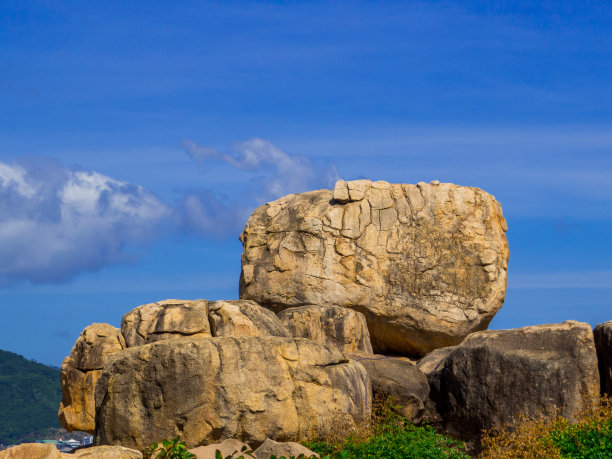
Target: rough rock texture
[399, 378]
[492, 377]
[425, 263]
[431, 362]
[341, 328]
[229, 447]
[80, 372]
[210, 389]
[31, 451]
[106, 452]
[287, 449]
[603, 344]
[243, 318]
[164, 320]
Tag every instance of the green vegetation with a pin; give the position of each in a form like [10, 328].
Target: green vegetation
[392, 436]
[30, 395]
[589, 437]
[169, 449]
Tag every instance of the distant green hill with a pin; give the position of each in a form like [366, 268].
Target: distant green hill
[30, 394]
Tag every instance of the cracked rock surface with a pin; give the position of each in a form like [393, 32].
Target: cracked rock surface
[80, 372]
[426, 264]
[246, 388]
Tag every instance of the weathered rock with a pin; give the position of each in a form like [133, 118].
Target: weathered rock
[603, 344]
[107, 452]
[80, 373]
[31, 451]
[229, 447]
[425, 263]
[341, 328]
[431, 362]
[287, 449]
[399, 378]
[492, 377]
[165, 320]
[247, 388]
[243, 318]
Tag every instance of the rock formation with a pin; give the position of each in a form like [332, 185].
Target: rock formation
[603, 344]
[80, 372]
[286, 449]
[494, 376]
[247, 388]
[398, 378]
[165, 319]
[243, 318]
[425, 263]
[333, 326]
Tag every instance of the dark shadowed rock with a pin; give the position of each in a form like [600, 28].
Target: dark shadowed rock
[243, 318]
[399, 378]
[494, 376]
[342, 328]
[603, 344]
[246, 388]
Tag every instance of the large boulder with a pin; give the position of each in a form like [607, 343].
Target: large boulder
[247, 388]
[603, 344]
[80, 372]
[425, 263]
[333, 326]
[243, 318]
[493, 377]
[165, 320]
[400, 379]
[31, 451]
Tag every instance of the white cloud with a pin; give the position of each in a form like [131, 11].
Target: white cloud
[274, 173]
[57, 222]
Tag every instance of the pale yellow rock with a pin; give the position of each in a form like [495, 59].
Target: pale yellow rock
[80, 372]
[229, 447]
[31, 451]
[106, 452]
[246, 388]
[342, 328]
[425, 263]
[165, 320]
[243, 318]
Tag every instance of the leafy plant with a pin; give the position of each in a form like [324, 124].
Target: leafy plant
[589, 437]
[169, 449]
[391, 435]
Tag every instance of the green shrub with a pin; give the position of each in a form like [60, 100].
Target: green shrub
[169, 449]
[589, 437]
[392, 436]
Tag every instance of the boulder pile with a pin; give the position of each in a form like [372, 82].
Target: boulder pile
[369, 286]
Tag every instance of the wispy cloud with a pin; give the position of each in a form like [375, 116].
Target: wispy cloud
[273, 173]
[56, 222]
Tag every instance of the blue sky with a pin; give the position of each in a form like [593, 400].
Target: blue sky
[135, 139]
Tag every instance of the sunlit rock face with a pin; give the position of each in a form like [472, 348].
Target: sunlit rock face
[242, 387]
[426, 264]
[80, 373]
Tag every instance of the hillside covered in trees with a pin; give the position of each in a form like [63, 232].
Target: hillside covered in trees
[30, 394]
